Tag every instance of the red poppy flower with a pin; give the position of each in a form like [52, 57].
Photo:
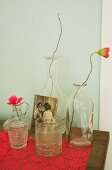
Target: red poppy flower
[13, 100]
[104, 52]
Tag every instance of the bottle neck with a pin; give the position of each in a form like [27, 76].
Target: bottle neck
[51, 83]
[80, 87]
[52, 67]
[17, 111]
[16, 108]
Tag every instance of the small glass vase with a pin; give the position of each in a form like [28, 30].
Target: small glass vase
[18, 128]
[48, 137]
[52, 88]
[79, 119]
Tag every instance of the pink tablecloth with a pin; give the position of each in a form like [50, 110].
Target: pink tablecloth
[27, 159]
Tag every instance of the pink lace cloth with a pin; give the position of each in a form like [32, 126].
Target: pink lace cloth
[27, 159]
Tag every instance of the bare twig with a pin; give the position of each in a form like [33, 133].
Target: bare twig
[50, 66]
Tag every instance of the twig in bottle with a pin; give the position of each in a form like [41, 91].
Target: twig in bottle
[50, 66]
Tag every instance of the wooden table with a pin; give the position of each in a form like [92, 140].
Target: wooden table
[98, 154]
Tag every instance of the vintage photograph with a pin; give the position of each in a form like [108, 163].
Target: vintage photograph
[44, 109]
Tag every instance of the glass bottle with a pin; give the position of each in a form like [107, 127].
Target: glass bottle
[52, 87]
[79, 119]
[18, 127]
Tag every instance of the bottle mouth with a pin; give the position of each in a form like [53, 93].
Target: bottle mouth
[16, 107]
[51, 57]
[79, 85]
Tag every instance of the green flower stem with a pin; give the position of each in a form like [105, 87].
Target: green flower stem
[91, 68]
[17, 113]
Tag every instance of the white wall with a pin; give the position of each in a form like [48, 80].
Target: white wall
[29, 30]
[106, 78]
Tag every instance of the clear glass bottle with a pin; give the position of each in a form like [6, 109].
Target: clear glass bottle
[18, 127]
[52, 87]
[79, 119]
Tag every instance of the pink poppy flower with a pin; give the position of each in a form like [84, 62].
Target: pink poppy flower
[104, 52]
[13, 100]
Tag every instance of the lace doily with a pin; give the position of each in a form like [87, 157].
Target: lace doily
[27, 159]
